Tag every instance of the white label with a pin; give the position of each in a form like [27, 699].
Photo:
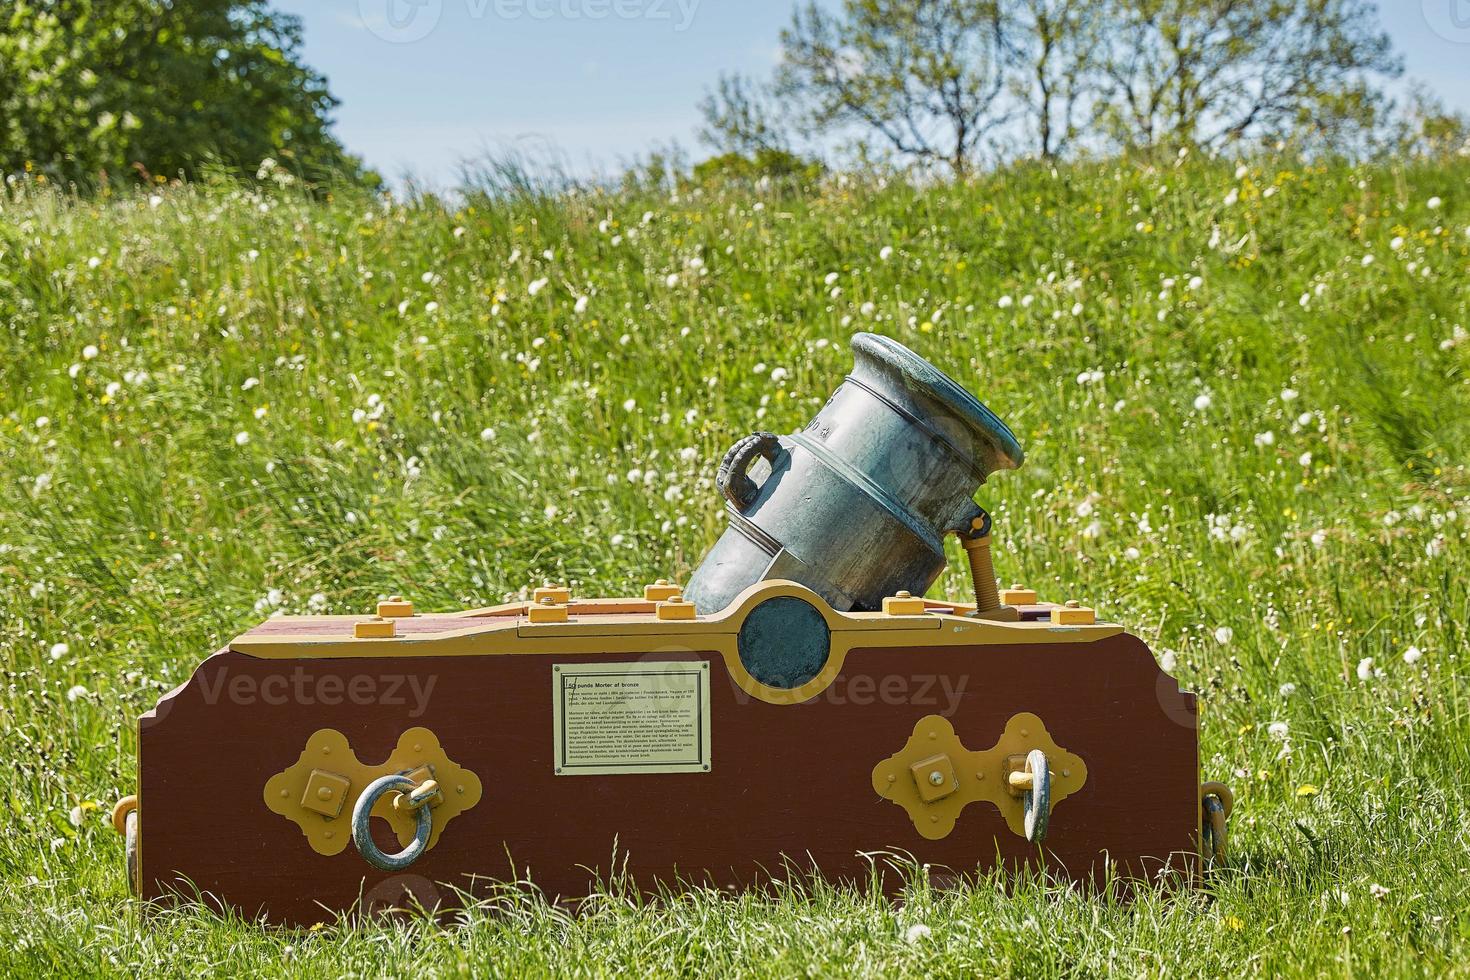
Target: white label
[631, 717]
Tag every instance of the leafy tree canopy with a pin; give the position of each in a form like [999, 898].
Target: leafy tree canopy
[93, 89]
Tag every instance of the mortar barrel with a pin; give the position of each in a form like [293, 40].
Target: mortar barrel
[856, 505]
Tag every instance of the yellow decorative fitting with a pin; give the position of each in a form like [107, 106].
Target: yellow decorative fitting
[907, 777]
[559, 594]
[394, 607]
[120, 812]
[546, 610]
[904, 604]
[661, 591]
[296, 793]
[934, 777]
[325, 792]
[427, 794]
[675, 607]
[1073, 614]
[1017, 596]
[376, 628]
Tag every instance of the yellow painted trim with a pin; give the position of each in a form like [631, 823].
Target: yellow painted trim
[642, 633]
[968, 776]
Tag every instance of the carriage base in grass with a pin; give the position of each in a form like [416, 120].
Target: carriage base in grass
[322, 763]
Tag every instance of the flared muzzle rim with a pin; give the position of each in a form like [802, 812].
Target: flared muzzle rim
[921, 379]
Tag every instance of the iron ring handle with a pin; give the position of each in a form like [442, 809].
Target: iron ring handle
[362, 818]
[1036, 801]
[732, 479]
[1217, 801]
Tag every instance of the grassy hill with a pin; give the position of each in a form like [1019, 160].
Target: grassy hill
[1243, 394]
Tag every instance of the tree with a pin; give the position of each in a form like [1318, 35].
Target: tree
[1204, 72]
[947, 80]
[1057, 43]
[926, 76]
[745, 117]
[94, 88]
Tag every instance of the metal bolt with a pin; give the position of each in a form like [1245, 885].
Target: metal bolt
[1073, 604]
[936, 778]
[324, 792]
[902, 594]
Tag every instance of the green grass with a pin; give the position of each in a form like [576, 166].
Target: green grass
[463, 451]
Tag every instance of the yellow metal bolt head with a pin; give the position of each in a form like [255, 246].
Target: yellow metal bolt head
[376, 628]
[1073, 614]
[660, 591]
[675, 607]
[547, 610]
[904, 604]
[395, 607]
[556, 593]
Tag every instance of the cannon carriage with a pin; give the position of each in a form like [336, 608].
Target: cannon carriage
[797, 707]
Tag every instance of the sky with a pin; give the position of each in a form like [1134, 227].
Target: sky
[425, 84]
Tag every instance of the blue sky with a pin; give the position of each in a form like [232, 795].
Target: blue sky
[426, 83]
